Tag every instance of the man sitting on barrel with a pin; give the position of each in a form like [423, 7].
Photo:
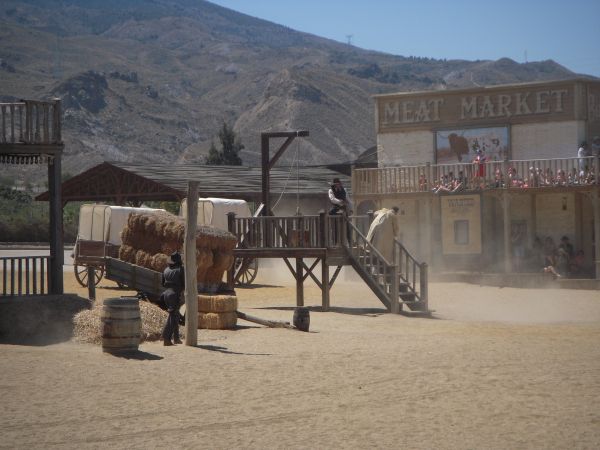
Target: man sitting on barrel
[173, 279]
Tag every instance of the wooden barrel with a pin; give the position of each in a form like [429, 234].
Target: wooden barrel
[121, 325]
[302, 318]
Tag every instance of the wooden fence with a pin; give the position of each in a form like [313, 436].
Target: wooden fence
[30, 122]
[24, 275]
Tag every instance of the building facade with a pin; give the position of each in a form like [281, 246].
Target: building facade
[514, 149]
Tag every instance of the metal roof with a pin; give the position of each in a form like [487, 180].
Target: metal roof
[127, 182]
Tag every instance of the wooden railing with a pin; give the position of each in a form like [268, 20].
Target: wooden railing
[24, 275]
[380, 274]
[30, 122]
[511, 174]
[413, 273]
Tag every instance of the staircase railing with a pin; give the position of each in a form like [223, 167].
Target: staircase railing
[374, 268]
[402, 278]
[413, 273]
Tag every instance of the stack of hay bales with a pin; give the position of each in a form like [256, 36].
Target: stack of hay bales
[217, 312]
[149, 239]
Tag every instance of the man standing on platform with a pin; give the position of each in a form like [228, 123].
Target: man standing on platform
[173, 279]
[339, 198]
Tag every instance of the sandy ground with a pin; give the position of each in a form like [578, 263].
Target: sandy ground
[495, 369]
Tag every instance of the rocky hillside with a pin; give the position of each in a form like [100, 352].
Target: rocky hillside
[151, 81]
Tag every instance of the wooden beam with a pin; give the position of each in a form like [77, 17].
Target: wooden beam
[191, 282]
[506, 220]
[324, 285]
[280, 152]
[285, 252]
[299, 282]
[56, 227]
[596, 206]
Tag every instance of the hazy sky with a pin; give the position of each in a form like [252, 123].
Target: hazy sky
[567, 31]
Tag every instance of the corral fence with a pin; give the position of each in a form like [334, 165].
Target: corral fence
[24, 275]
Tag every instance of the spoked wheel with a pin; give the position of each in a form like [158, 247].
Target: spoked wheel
[81, 274]
[249, 274]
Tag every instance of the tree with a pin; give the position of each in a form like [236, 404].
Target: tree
[230, 149]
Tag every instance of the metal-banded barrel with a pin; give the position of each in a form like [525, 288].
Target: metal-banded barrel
[121, 325]
[302, 318]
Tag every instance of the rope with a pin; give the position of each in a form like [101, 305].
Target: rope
[286, 183]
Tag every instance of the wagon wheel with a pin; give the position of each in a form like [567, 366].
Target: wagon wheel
[248, 276]
[82, 275]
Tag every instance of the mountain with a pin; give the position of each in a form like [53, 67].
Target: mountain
[153, 80]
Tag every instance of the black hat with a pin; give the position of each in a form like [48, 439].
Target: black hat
[336, 180]
[174, 259]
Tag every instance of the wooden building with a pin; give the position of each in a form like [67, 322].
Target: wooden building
[515, 149]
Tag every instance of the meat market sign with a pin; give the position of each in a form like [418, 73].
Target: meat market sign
[518, 104]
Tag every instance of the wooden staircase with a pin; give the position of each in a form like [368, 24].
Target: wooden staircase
[397, 283]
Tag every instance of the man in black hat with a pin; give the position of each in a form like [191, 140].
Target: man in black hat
[173, 279]
[339, 199]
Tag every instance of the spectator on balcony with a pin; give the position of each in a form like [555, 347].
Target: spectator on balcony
[574, 177]
[582, 153]
[548, 179]
[513, 178]
[460, 182]
[498, 178]
[534, 178]
[479, 169]
[443, 185]
[422, 183]
[561, 178]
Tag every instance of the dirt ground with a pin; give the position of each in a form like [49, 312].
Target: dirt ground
[495, 368]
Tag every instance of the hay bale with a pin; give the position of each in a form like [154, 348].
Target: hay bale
[222, 261]
[159, 262]
[217, 303]
[127, 253]
[217, 321]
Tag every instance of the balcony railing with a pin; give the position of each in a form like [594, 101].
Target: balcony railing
[30, 122]
[510, 174]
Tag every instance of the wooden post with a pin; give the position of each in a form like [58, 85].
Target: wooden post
[322, 229]
[394, 291]
[424, 289]
[299, 282]
[231, 228]
[506, 220]
[91, 283]
[266, 185]
[596, 205]
[191, 282]
[324, 284]
[56, 226]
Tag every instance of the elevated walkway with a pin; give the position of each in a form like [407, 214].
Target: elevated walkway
[332, 241]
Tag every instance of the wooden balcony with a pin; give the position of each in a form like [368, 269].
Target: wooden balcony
[509, 174]
[28, 130]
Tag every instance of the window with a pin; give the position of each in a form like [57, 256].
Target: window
[461, 232]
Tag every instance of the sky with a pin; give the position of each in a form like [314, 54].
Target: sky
[566, 31]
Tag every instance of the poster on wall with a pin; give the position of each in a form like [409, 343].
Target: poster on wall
[461, 224]
[462, 144]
